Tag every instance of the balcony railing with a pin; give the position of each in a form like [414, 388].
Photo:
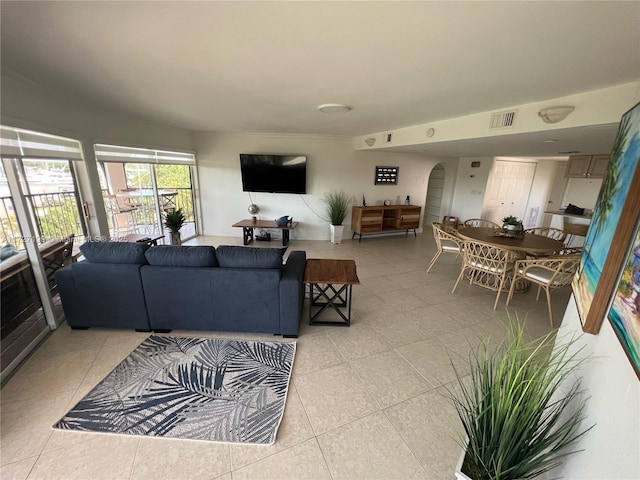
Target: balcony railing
[144, 216]
[55, 215]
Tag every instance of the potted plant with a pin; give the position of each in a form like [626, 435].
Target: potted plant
[512, 225]
[173, 220]
[519, 411]
[337, 208]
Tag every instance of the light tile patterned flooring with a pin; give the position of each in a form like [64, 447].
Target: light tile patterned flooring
[364, 402]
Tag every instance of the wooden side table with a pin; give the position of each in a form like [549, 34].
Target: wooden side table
[330, 287]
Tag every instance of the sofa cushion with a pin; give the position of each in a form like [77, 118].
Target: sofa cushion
[8, 251]
[115, 252]
[178, 256]
[231, 256]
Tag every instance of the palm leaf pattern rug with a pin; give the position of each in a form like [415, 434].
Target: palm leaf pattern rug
[198, 388]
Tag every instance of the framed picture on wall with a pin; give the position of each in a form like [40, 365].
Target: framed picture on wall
[612, 225]
[386, 176]
[624, 313]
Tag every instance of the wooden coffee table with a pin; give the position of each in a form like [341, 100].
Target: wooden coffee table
[330, 287]
[250, 224]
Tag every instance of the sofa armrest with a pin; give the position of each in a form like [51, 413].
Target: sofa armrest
[292, 293]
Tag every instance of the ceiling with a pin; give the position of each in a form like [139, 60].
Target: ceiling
[265, 66]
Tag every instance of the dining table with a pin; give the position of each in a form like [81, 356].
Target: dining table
[525, 243]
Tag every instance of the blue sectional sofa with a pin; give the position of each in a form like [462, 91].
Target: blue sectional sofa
[228, 288]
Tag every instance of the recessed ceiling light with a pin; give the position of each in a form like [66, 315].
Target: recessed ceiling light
[334, 108]
[551, 140]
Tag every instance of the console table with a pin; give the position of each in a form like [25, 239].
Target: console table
[249, 224]
[382, 219]
[330, 283]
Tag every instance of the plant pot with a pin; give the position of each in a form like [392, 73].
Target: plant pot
[513, 228]
[460, 475]
[175, 238]
[336, 233]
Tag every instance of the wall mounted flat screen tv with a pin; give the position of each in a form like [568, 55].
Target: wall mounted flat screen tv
[273, 173]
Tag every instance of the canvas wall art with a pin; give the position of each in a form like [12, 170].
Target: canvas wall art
[624, 314]
[611, 226]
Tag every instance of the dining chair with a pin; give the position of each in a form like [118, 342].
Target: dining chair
[115, 210]
[487, 266]
[446, 241]
[549, 273]
[168, 200]
[549, 232]
[481, 222]
[130, 200]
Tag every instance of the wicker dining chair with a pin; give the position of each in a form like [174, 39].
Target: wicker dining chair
[446, 242]
[487, 266]
[481, 222]
[550, 232]
[549, 273]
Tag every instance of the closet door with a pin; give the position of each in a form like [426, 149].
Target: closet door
[508, 189]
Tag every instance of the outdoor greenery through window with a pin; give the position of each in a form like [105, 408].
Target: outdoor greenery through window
[140, 186]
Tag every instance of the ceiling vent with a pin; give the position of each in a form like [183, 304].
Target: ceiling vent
[503, 119]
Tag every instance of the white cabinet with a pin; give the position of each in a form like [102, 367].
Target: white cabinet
[587, 166]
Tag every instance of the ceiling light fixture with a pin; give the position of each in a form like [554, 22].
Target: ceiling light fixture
[334, 108]
[555, 114]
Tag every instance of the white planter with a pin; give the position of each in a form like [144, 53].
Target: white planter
[336, 233]
[175, 238]
[459, 474]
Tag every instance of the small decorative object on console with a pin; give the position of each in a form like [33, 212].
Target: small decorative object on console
[284, 221]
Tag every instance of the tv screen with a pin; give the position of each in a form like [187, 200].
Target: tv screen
[273, 173]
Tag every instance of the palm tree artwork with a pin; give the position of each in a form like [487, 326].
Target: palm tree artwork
[625, 157]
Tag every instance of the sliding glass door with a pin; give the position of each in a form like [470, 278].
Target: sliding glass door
[40, 214]
[140, 186]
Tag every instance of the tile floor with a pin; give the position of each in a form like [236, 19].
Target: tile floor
[364, 402]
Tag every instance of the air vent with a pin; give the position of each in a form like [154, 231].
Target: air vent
[503, 119]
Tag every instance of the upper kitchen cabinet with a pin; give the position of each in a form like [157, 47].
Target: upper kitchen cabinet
[587, 166]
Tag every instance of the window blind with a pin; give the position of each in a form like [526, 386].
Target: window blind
[115, 153]
[15, 142]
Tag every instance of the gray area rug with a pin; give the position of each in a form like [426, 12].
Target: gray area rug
[197, 388]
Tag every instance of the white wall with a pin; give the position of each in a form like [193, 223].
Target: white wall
[332, 164]
[582, 192]
[612, 447]
[470, 187]
[539, 195]
[26, 105]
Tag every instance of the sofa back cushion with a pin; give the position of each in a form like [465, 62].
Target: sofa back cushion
[115, 252]
[231, 256]
[178, 256]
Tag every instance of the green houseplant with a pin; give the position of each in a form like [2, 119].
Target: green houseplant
[511, 225]
[174, 220]
[337, 209]
[511, 220]
[521, 414]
